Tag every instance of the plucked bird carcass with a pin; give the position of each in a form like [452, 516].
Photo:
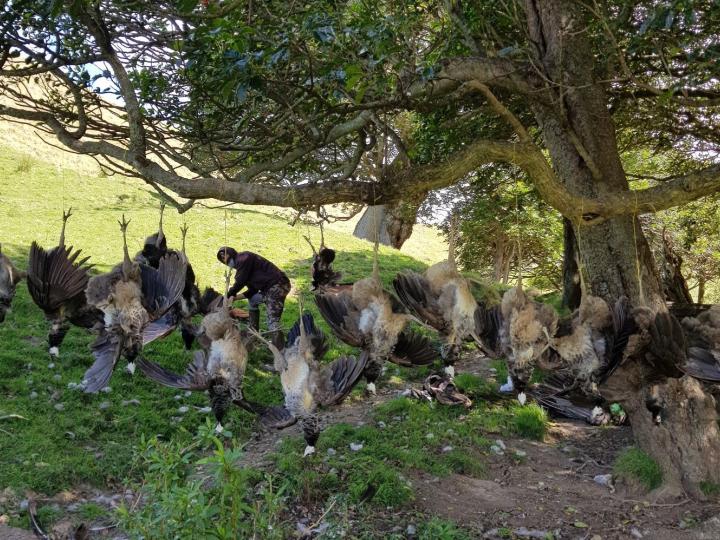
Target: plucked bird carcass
[219, 368]
[368, 317]
[590, 344]
[131, 296]
[442, 298]
[524, 336]
[309, 385]
[56, 280]
[10, 276]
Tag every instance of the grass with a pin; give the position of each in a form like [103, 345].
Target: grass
[636, 465]
[62, 438]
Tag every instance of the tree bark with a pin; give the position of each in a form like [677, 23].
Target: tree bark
[686, 443]
[674, 285]
[572, 290]
[614, 256]
[392, 222]
[701, 290]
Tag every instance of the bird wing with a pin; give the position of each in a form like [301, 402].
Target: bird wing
[106, 349]
[488, 322]
[413, 349]
[160, 328]
[341, 316]
[559, 406]
[341, 376]
[56, 276]
[667, 344]
[702, 364]
[163, 287]
[623, 326]
[315, 335]
[210, 301]
[195, 377]
[277, 416]
[415, 294]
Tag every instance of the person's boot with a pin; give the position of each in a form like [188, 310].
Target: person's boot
[254, 318]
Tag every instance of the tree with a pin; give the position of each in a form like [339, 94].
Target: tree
[506, 229]
[280, 104]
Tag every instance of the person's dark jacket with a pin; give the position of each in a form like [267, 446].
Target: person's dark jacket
[256, 273]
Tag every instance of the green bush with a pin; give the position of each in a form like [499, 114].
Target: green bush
[637, 465]
[186, 495]
[530, 421]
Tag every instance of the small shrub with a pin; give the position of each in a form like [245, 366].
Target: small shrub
[469, 383]
[530, 421]
[710, 489]
[380, 485]
[441, 529]
[190, 496]
[637, 465]
[24, 164]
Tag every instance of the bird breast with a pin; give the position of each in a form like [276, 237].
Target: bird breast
[227, 359]
[458, 306]
[296, 386]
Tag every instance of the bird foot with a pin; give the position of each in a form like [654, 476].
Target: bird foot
[450, 371]
[522, 398]
[508, 386]
[219, 428]
[370, 389]
[309, 450]
[131, 368]
[54, 352]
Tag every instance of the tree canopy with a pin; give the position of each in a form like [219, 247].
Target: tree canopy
[300, 104]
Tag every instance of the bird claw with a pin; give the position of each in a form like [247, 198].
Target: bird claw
[309, 450]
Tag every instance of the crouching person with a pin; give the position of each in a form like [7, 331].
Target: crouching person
[266, 284]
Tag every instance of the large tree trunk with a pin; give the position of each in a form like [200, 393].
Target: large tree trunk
[686, 443]
[392, 223]
[614, 255]
[674, 285]
[572, 290]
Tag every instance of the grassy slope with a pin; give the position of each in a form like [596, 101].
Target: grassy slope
[94, 439]
[53, 449]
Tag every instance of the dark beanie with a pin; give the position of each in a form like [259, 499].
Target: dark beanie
[226, 250]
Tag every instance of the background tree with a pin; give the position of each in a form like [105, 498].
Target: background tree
[277, 103]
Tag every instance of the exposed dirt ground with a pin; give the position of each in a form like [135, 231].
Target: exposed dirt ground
[530, 490]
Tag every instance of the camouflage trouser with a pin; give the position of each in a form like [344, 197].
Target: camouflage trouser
[274, 300]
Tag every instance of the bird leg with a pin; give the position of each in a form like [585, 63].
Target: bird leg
[183, 231]
[160, 234]
[66, 216]
[127, 263]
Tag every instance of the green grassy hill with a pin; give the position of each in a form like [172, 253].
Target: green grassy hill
[52, 448]
[54, 438]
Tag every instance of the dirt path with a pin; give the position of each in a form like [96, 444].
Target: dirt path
[536, 488]
[530, 490]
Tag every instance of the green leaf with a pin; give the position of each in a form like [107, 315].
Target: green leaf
[186, 6]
